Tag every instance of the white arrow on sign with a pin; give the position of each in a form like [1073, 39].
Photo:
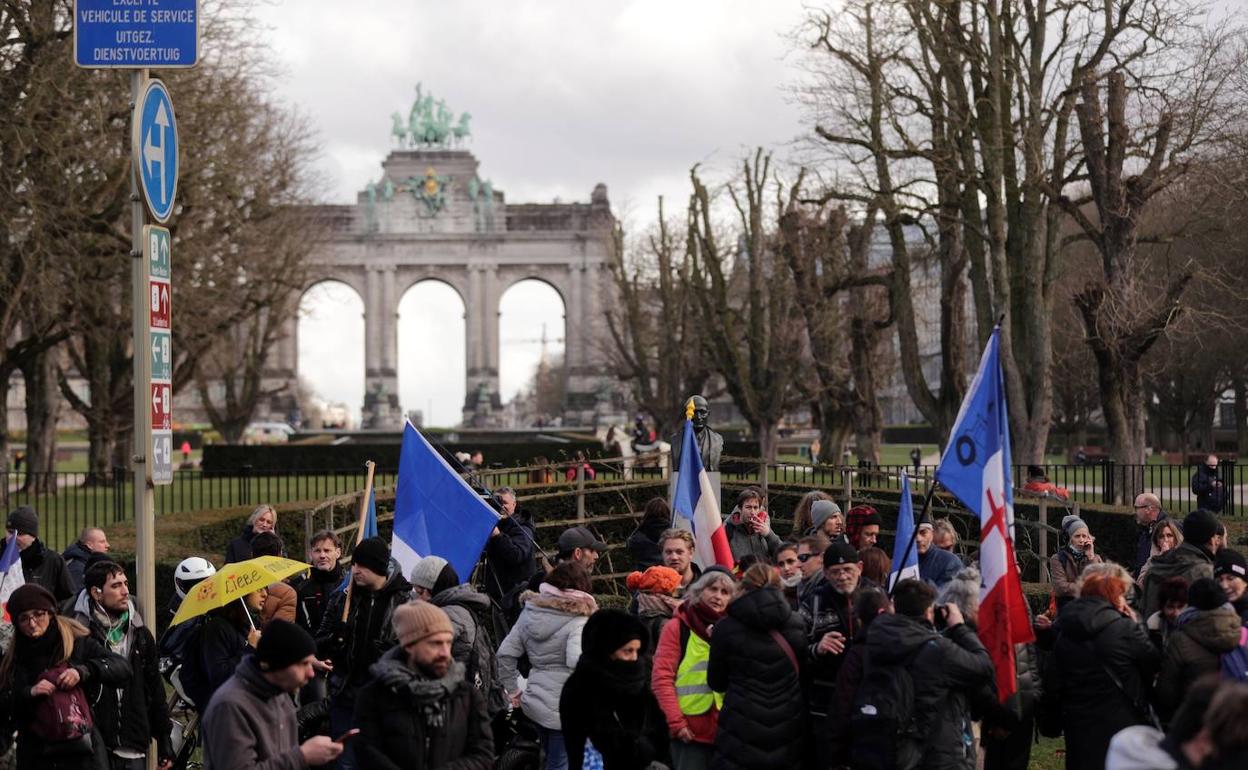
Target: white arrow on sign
[164, 295]
[155, 153]
[156, 398]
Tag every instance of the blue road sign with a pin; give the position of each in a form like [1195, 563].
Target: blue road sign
[156, 148]
[136, 34]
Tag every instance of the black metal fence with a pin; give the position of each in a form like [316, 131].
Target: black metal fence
[69, 501]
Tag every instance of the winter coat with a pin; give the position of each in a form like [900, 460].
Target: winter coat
[1140, 747]
[394, 728]
[626, 725]
[469, 611]
[939, 566]
[1193, 649]
[509, 561]
[643, 545]
[744, 543]
[312, 595]
[1065, 567]
[549, 632]
[130, 716]
[946, 670]
[835, 739]
[1094, 638]
[96, 666]
[1187, 560]
[825, 610]
[654, 610]
[1210, 493]
[763, 722]
[668, 655]
[75, 558]
[251, 724]
[367, 635]
[45, 567]
[212, 656]
[1144, 544]
[239, 549]
[281, 603]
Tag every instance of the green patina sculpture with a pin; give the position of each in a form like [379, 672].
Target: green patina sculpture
[430, 123]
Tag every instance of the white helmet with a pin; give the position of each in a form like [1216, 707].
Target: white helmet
[189, 572]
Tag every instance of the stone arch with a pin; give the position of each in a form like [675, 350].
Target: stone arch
[526, 333]
[340, 338]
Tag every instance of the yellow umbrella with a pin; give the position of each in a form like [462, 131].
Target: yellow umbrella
[234, 581]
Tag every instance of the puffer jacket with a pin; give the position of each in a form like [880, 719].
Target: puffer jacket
[1195, 648]
[1188, 560]
[946, 670]
[549, 632]
[464, 605]
[1092, 639]
[763, 723]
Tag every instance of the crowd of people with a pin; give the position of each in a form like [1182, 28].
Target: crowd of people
[804, 654]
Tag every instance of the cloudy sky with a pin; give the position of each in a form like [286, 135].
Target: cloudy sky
[563, 95]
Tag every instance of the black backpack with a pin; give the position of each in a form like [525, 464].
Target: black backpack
[882, 721]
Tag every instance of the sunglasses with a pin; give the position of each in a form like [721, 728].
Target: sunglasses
[805, 557]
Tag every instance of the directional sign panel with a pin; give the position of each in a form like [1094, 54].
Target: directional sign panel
[162, 457]
[157, 267]
[135, 34]
[156, 251]
[162, 407]
[155, 148]
[158, 298]
[161, 356]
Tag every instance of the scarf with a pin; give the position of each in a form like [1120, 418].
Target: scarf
[616, 677]
[32, 557]
[429, 696]
[546, 589]
[700, 618]
[40, 653]
[115, 629]
[656, 605]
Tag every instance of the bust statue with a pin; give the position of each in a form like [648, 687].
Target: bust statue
[710, 443]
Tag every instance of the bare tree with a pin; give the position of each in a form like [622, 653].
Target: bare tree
[744, 298]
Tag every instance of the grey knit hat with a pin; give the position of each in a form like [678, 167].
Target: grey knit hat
[425, 573]
[1072, 524]
[822, 510]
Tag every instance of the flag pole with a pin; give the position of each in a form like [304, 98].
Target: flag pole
[359, 531]
[914, 531]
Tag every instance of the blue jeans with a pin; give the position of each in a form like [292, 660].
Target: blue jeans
[341, 719]
[553, 749]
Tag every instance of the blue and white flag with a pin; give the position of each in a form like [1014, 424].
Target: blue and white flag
[436, 513]
[11, 577]
[905, 550]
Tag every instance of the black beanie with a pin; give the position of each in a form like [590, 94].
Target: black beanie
[283, 644]
[608, 630]
[30, 597]
[1229, 562]
[372, 552]
[24, 521]
[1205, 594]
[840, 552]
[1199, 527]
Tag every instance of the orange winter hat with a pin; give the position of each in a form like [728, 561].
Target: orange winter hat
[655, 580]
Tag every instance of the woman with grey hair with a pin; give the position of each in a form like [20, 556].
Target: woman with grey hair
[963, 591]
[678, 677]
[262, 519]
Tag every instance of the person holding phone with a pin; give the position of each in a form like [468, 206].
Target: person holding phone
[1068, 563]
[749, 528]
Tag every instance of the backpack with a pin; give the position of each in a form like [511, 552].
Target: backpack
[64, 716]
[883, 720]
[482, 666]
[1234, 664]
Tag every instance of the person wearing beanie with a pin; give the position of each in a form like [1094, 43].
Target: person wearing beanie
[419, 708]
[43, 640]
[358, 642]
[41, 565]
[1067, 564]
[936, 565]
[654, 597]
[251, 720]
[1230, 569]
[1192, 559]
[826, 518]
[862, 526]
[1208, 628]
[608, 701]
[129, 717]
[470, 613]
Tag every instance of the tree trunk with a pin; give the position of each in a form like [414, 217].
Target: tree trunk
[42, 407]
[101, 444]
[6, 373]
[833, 431]
[768, 440]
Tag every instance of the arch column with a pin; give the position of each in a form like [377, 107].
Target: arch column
[481, 398]
[381, 379]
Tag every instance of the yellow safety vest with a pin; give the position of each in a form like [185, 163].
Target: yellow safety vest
[693, 694]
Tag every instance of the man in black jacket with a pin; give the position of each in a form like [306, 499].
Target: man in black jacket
[946, 670]
[131, 716]
[92, 540]
[40, 565]
[314, 591]
[418, 709]
[1209, 490]
[1147, 514]
[360, 641]
[509, 563]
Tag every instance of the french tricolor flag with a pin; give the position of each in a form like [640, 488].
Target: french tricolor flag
[10, 572]
[694, 500]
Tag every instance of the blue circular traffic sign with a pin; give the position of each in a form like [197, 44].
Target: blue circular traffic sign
[155, 147]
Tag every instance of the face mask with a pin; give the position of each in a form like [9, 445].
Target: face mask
[791, 582]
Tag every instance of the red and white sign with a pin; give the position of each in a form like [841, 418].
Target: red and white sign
[162, 406]
[158, 303]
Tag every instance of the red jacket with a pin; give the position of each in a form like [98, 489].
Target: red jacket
[667, 657]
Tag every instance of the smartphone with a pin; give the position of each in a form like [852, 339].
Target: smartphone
[348, 735]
